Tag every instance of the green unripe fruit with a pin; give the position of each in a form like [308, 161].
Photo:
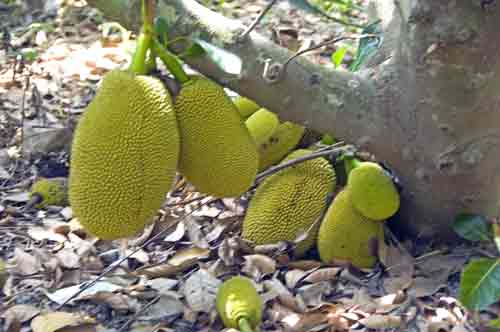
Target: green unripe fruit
[3, 274]
[289, 202]
[245, 106]
[261, 125]
[218, 155]
[124, 156]
[373, 193]
[346, 235]
[239, 304]
[284, 139]
[51, 192]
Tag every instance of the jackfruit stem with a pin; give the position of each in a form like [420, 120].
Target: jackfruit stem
[244, 325]
[144, 41]
[138, 65]
[351, 163]
[171, 62]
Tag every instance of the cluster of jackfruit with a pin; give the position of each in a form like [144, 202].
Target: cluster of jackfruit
[290, 202]
[351, 228]
[133, 138]
[274, 139]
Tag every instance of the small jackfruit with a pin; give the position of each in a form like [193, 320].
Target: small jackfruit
[245, 106]
[218, 155]
[3, 273]
[49, 192]
[261, 125]
[285, 139]
[373, 193]
[238, 303]
[346, 235]
[289, 202]
[124, 155]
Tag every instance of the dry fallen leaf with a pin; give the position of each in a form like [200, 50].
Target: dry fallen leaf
[200, 290]
[325, 274]
[381, 321]
[183, 260]
[54, 321]
[258, 265]
[25, 264]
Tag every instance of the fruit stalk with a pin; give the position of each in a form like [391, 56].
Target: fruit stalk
[144, 41]
[170, 62]
[351, 163]
[245, 325]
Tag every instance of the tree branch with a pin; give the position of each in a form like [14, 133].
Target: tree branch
[340, 103]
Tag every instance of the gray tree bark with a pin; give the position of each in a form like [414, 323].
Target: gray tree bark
[427, 103]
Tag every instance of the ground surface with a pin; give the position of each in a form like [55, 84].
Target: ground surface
[169, 283]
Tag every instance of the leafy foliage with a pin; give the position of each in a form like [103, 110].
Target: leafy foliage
[472, 227]
[480, 283]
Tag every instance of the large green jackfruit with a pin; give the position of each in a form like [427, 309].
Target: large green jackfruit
[285, 139]
[373, 193]
[218, 155]
[346, 235]
[262, 125]
[245, 106]
[124, 155]
[289, 202]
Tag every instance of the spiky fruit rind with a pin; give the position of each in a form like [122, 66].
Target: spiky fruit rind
[245, 106]
[285, 139]
[124, 155]
[218, 155]
[373, 193]
[346, 235]
[52, 192]
[261, 125]
[237, 298]
[289, 202]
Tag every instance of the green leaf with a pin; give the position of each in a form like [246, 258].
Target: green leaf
[480, 283]
[338, 56]
[195, 50]
[161, 30]
[495, 323]
[496, 234]
[367, 45]
[227, 61]
[472, 227]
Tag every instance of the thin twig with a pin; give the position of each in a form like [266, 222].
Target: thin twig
[189, 201]
[335, 149]
[273, 73]
[125, 326]
[257, 20]
[117, 263]
[23, 115]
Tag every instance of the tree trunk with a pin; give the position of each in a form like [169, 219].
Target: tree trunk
[427, 103]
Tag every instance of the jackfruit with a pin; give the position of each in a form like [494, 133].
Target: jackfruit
[49, 192]
[285, 139]
[3, 274]
[124, 155]
[346, 235]
[245, 106]
[238, 303]
[218, 155]
[261, 125]
[373, 193]
[289, 202]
